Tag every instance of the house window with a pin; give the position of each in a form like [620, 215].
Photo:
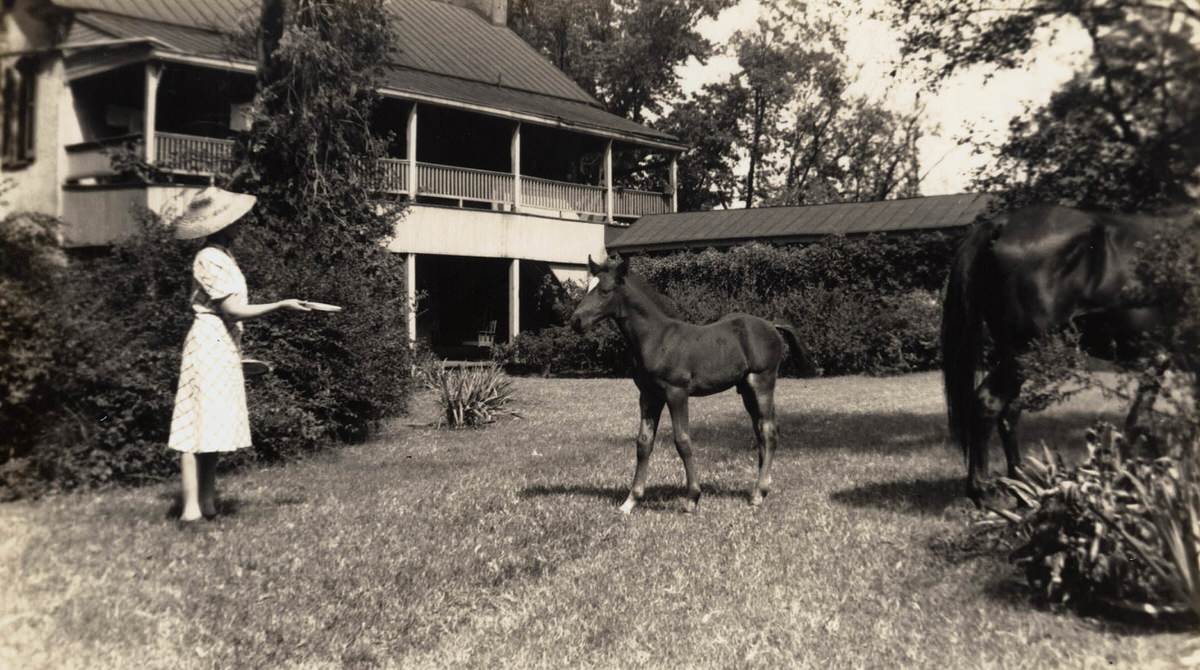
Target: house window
[20, 98]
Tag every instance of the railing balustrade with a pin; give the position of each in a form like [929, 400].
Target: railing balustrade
[445, 181]
[175, 152]
[562, 196]
[628, 202]
[393, 175]
[189, 153]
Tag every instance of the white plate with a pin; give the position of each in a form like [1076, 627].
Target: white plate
[252, 367]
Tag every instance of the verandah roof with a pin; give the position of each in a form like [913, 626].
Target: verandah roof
[482, 66]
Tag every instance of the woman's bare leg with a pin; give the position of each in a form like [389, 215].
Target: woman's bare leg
[191, 487]
[208, 483]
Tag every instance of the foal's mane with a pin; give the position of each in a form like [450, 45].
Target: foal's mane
[662, 302]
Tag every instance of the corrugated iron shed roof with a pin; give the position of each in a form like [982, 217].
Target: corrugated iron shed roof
[445, 51]
[727, 227]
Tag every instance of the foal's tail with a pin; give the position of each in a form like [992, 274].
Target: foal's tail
[808, 367]
[962, 335]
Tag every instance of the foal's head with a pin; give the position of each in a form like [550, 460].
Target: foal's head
[605, 298]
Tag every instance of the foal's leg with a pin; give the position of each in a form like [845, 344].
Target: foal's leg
[677, 402]
[750, 402]
[762, 386]
[651, 408]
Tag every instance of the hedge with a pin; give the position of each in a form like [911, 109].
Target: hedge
[868, 305]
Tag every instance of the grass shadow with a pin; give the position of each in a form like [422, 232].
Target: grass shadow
[655, 497]
[895, 432]
[228, 506]
[924, 497]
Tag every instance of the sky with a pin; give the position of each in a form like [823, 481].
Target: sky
[968, 106]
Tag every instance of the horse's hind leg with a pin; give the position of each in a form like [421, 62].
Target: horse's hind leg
[750, 402]
[651, 408]
[1006, 425]
[762, 397]
[677, 402]
[996, 406]
[1144, 398]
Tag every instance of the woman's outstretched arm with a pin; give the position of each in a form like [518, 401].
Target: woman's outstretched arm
[235, 307]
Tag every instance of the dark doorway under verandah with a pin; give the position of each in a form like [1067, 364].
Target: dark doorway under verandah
[460, 297]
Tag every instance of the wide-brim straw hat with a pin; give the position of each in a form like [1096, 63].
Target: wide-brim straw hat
[211, 210]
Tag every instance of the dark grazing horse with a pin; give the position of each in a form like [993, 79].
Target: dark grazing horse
[1024, 274]
[674, 360]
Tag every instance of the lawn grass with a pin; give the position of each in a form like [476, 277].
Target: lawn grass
[503, 548]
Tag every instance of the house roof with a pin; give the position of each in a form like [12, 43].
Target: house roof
[484, 65]
[792, 224]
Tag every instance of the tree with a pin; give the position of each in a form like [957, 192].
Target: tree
[625, 53]
[771, 67]
[851, 149]
[707, 123]
[1123, 133]
[803, 137]
[319, 228]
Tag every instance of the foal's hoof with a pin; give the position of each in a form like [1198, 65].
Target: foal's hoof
[691, 507]
[756, 499]
[627, 506]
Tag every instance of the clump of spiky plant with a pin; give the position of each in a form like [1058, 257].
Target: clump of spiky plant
[470, 396]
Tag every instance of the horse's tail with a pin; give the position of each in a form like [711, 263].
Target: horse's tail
[808, 367]
[962, 335]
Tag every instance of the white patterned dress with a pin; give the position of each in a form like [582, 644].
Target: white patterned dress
[210, 405]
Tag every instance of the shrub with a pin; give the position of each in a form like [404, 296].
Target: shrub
[470, 397]
[865, 305]
[1079, 528]
[30, 264]
[560, 351]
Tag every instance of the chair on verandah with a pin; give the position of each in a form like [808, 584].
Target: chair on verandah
[485, 338]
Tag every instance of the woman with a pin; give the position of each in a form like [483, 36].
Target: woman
[210, 406]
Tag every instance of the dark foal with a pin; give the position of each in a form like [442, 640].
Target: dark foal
[674, 360]
[1027, 273]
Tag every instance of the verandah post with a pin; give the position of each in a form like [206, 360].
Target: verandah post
[411, 146]
[150, 109]
[410, 287]
[514, 298]
[674, 182]
[515, 153]
[608, 182]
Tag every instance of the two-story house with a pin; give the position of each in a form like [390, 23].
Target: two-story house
[507, 163]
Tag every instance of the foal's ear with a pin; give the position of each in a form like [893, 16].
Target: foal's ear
[592, 267]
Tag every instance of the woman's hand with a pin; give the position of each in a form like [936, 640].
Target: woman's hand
[295, 305]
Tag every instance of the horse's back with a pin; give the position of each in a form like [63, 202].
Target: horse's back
[1050, 262]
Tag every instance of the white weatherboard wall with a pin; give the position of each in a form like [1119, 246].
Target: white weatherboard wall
[487, 234]
[95, 216]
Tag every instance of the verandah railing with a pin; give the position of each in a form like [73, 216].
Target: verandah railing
[176, 152]
[628, 202]
[562, 196]
[189, 153]
[446, 181]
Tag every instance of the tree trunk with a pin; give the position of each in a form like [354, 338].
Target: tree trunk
[272, 20]
[755, 149]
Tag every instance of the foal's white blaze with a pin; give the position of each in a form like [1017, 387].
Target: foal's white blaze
[593, 282]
